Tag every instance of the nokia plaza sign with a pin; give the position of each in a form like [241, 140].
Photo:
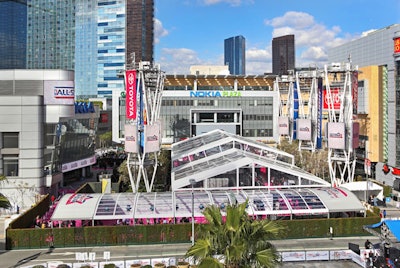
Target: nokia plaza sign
[214, 94]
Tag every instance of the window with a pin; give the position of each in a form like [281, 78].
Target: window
[10, 140]
[10, 165]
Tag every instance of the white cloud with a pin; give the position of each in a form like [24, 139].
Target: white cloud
[258, 61]
[159, 30]
[312, 39]
[178, 60]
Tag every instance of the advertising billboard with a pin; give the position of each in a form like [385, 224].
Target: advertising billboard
[304, 129]
[152, 140]
[131, 139]
[59, 92]
[336, 135]
[334, 97]
[131, 94]
[396, 45]
[283, 125]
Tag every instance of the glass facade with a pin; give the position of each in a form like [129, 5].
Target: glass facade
[235, 55]
[283, 54]
[13, 34]
[86, 49]
[51, 34]
[111, 46]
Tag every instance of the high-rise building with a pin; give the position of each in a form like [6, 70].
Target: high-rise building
[51, 34]
[13, 34]
[235, 55]
[109, 35]
[283, 54]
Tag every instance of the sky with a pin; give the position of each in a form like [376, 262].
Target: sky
[192, 32]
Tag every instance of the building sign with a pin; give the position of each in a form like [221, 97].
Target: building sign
[214, 94]
[78, 164]
[84, 107]
[131, 94]
[397, 45]
[59, 92]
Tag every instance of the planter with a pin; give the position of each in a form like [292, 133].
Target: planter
[136, 265]
[159, 265]
[110, 265]
[183, 264]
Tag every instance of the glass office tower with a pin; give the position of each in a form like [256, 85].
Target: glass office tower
[51, 34]
[13, 34]
[86, 49]
[283, 54]
[235, 55]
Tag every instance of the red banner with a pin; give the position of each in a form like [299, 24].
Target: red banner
[130, 98]
[397, 45]
[335, 99]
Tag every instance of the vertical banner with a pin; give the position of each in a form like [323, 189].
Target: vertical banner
[295, 110]
[152, 137]
[319, 118]
[304, 132]
[283, 125]
[367, 166]
[131, 142]
[130, 99]
[336, 135]
[356, 135]
[354, 91]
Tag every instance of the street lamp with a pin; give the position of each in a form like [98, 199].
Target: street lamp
[192, 182]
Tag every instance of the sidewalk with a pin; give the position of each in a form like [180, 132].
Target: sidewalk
[16, 258]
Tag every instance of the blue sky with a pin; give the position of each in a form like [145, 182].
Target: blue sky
[192, 32]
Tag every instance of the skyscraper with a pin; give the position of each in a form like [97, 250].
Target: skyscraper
[235, 55]
[283, 54]
[109, 35]
[13, 34]
[51, 34]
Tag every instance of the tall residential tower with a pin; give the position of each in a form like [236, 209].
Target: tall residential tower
[235, 55]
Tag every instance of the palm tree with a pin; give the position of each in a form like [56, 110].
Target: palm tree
[237, 241]
[4, 203]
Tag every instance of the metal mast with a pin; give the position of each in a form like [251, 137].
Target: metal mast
[143, 128]
[341, 83]
[287, 108]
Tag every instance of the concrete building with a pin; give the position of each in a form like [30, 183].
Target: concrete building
[45, 137]
[194, 104]
[376, 48]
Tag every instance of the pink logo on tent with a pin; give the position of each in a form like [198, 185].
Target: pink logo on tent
[78, 198]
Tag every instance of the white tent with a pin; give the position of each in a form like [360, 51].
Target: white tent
[363, 190]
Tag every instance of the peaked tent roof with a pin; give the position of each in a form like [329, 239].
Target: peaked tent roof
[217, 152]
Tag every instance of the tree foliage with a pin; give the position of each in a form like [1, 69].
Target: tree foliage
[235, 240]
[314, 162]
[4, 202]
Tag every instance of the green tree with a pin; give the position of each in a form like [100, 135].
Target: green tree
[4, 202]
[237, 241]
[314, 162]
[105, 139]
